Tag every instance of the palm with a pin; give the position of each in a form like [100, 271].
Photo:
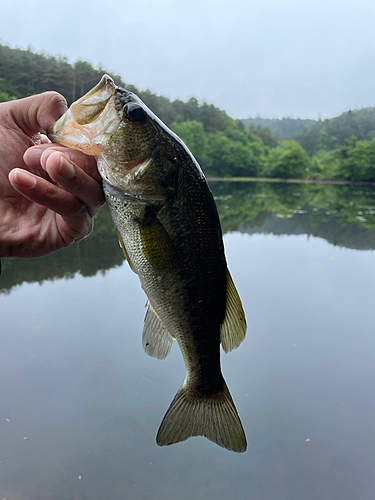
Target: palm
[28, 227]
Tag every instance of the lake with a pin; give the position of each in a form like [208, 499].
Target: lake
[81, 403]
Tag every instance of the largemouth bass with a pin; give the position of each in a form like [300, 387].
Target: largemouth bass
[169, 229]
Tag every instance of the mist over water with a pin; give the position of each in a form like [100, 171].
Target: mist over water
[80, 402]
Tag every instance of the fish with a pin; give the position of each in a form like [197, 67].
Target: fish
[169, 229]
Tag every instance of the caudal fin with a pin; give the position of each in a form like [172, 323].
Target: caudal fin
[214, 417]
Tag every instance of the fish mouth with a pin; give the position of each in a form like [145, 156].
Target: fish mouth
[83, 121]
[100, 93]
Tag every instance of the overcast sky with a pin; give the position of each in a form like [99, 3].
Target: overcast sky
[272, 58]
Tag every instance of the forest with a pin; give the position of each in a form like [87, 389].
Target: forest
[337, 148]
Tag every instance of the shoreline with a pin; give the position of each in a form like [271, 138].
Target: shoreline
[307, 180]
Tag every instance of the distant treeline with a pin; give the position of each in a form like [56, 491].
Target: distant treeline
[339, 148]
[281, 128]
[342, 147]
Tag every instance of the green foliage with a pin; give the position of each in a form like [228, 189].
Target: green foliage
[223, 146]
[357, 160]
[325, 165]
[25, 73]
[288, 160]
[332, 133]
[4, 96]
[194, 136]
[284, 128]
[235, 153]
[265, 134]
[343, 215]
[232, 152]
[335, 153]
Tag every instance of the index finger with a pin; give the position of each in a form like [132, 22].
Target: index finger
[33, 158]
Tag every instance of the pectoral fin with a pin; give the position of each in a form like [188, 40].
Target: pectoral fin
[156, 340]
[122, 245]
[157, 244]
[233, 327]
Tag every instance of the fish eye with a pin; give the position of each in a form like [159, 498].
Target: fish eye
[134, 112]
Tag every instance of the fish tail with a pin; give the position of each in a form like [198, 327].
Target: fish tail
[192, 414]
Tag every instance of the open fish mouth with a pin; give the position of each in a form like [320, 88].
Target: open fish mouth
[87, 119]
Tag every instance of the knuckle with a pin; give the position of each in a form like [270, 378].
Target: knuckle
[79, 209]
[79, 184]
[56, 100]
[85, 163]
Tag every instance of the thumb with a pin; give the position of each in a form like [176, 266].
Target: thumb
[38, 112]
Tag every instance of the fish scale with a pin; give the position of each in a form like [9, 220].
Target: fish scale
[169, 229]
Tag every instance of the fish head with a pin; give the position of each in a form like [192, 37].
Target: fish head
[116, 127]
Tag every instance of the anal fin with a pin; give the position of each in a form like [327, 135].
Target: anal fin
[156, 340]
[233, 327]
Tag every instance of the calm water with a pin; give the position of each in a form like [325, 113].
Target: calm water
[80, 402]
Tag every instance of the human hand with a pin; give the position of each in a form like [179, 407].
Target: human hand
[48, 193]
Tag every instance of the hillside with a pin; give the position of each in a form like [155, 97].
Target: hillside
[337, 148]
[333, 132]
[321, 135]
[284, 128]
[24, 73]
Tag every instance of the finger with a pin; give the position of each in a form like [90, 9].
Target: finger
[32, 158]
[44, 193]
[38, 112]
[75, 222]
[74, 180]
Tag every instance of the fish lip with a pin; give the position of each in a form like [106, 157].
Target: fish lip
[101, 93]
[106, 87]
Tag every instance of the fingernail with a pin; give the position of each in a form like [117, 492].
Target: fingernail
[32, 156]
[24, 179]
[49, 151]
[66, 169]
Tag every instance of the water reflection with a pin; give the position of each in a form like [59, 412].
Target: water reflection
[80, 402]
[342, 215]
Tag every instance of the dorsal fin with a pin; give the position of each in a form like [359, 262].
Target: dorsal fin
[233, 327]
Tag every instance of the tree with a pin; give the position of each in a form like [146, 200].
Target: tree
[265, 134]
[233, 153]
[194, 136]
[357, 160]
[289, 160]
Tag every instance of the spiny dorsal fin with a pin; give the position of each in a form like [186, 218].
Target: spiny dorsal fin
[214, 417]
[233, 327]
[156, 340]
